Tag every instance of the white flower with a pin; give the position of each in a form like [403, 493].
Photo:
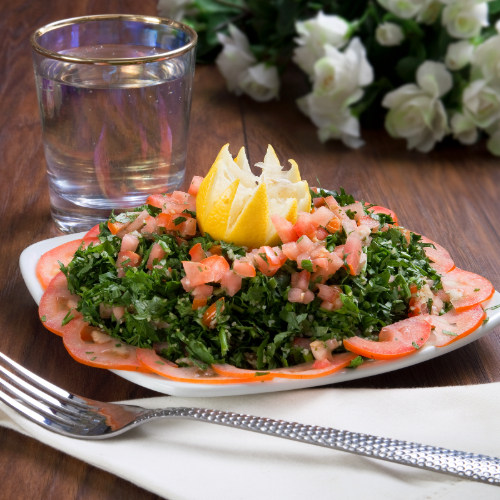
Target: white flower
[338, 78]
[389, 34]
[493, 143]
[314, 34]
[406, 9]
[481, 103]
[260, 82]
[464, 19]
[415, 111]
[332, 122]
[464, 129]
[173, 9]
[235, 57]
[458, 54]
[430, 12]
[486, 61]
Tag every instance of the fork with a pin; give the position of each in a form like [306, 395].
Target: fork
[74, 416]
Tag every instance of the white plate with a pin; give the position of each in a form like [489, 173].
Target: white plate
[29, 259]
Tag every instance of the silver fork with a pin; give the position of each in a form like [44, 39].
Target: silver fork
[77, 417]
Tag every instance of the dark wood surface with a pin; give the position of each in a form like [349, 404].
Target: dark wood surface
[450, 195]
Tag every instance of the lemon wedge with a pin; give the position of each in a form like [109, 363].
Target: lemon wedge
[235, 205]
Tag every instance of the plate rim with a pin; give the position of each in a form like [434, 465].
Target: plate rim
[30, 256]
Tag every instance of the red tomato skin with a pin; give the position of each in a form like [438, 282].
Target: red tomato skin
[383, 210]
[475, 288]
[401, 337]
[55, 305]
[76, 341]
[93, 233]
[48, 265]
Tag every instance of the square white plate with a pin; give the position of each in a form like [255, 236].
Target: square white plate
[32, 254]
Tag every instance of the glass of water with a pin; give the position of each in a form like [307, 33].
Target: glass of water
[114, 93]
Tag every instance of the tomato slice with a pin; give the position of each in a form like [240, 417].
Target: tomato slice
[232, 371]
[454, 325]
[442, 261]
[55, 304]
[315, 369]
[149, 359]
[466, 289]
[48, 265]
[113, 354]
[93, 233]
[399, 339]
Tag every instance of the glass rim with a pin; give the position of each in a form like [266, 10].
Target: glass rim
[169, 54]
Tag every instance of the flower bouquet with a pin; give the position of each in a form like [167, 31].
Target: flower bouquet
[432, 66]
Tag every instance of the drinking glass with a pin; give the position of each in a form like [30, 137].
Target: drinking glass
[114, 93]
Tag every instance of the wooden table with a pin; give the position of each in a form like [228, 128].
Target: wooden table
[450, 195]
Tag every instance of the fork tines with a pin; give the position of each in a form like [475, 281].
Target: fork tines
[43, 402]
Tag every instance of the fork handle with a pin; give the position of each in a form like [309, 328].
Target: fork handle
[471, 466]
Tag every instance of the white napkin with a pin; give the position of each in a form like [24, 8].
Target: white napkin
[193, 460]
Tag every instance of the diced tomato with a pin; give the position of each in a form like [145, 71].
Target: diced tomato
[188, 227]
[168, 221]
[203, 291]
[396, 340]
[244, 269]
[209, 319]
[319, 202]
[92, 233]
[295, 295]
[198, 273]
[197, 253]
[216, 250]
[232, 371]
[304, 244]
[56, 303]
[356, 208]
[291, 250]
[181, 197]
[231, 282]
[383, 210]
[158, 200]
[330, 293]
[331, 202]
[284, 228]
[263, 264]
[157, 253]
[321, 234]
[271, 255]
[352, 252]
[150, 225]
[218, 265]
[48, 265]
[186, 284]
[305, 225]
[129, 243]
[466, 289]
[334, 226]
[198, 304]
[149, 359]
[128, 259]
[454, 325]
[307, 370]
[116, 227]
[138, 223]
[442, 261]
[301, 280]
[367, 221]
[113, 354]
[195, 185]
[322, 216]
